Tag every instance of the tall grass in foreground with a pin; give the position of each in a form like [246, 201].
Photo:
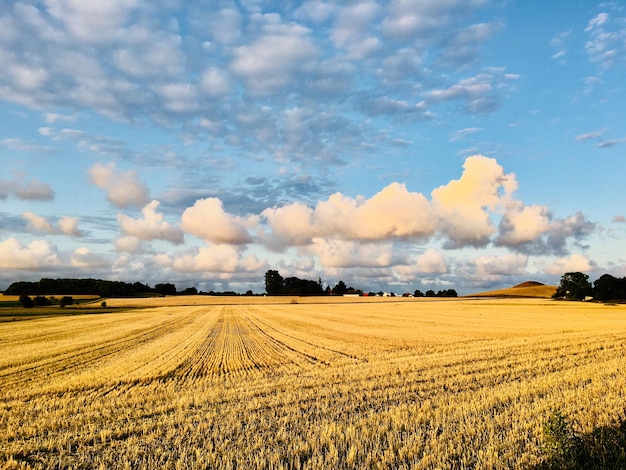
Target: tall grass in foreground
[450, 384]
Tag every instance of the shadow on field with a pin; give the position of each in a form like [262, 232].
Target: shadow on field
[602, 448]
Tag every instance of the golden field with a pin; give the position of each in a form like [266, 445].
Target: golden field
[252, 382]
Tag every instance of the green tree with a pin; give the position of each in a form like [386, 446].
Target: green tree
[273, 282]
[41, 301]
[165, 289]
[26, 301]
[574, 286]
[340, 288]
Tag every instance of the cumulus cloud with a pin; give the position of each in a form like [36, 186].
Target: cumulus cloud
[92, 22]
[461, 212]
[124, 189]
[523, 225]
[208, 220]
[432, 262]
[413, 19]
[66, 225]
[38, 254]
[69, 226]
[222, 259]
[128, 244]
[29, 190]
[274, 60]
[37, 223]
[572, 263]
[353, 29]
[462, 204]
[85, 258]
[488, 266]
[344, 253]
[394, 212]
[152, 226]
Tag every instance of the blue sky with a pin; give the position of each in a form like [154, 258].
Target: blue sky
[401, 145]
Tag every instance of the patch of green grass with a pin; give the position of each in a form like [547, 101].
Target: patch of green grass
[604, 448]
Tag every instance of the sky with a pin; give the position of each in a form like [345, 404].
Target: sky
[395, 145]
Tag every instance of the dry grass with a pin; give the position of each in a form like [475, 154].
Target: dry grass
[537, 291]
[268, 384]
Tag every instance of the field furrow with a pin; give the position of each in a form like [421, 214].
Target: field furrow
[463, 384]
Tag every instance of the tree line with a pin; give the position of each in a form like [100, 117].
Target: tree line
[97, 287]
[576, 286]
[275, 284]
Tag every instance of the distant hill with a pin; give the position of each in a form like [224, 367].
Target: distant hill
[528, 289]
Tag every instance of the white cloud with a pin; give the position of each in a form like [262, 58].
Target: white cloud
[432, 262]
[85, 258]
[124, 189]
[92, 21]
[524, 225]
[461, 212]
[590, 135]
[38, 254]
[333, 253]
[572, 263]
[463, 133]
[488, 266]
[394, 212]
[215, 82]
[462, 204]
[207, 219]
[290, 225]
[27, 190]
[353, 29]
[152, 226]
[274, 61]
[316, 11]
[606, 42]
[480, 94]
[412, 19]
[66, 225]
[222, 259]
[69, 226]
[38, 223]
[128, 244]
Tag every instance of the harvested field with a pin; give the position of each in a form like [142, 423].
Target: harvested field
[267, 383]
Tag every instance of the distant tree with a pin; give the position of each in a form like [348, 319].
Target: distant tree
[26, 301]
[165, 289]
[273, 282]
[41, 301]
[608, 287]
[296, 286]
[418, 293]
[103, 304]
[65, 300]
[249, 292]
[430, 293]
[340, 288]
[574, 286]
[190, 291]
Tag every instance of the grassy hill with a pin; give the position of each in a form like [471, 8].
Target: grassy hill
[529, 289]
